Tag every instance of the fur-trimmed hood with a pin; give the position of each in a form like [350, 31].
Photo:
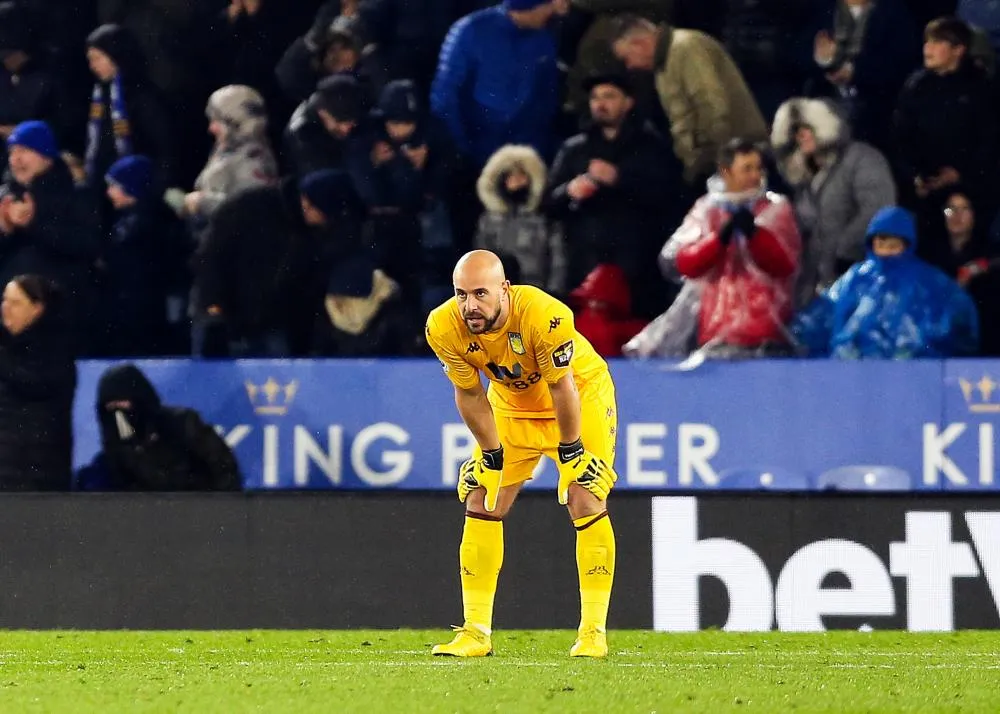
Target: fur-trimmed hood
[505, 159]
[831, 131]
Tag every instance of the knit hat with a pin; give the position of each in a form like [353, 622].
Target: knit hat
[615, 80]
[523, 5]
[399, 101]
[332, 193]
[134, 174]
[35, 135]
[340, 95]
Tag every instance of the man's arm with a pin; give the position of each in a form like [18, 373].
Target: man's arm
[476, 412]
[566, 404]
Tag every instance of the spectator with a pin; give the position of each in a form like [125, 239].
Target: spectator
[37, 382]
[497, 82]
[364, 315]
[511, 188]
[28, 86]
[865, 61]
[254, 276]
[133, 275]
[147, 446]
[603, 310]
[974, 264]
[126, 114]
[742, 244]
[339, 53]
[703, 94]
[242, 157]
[838, 185]
[615, 188]
[892, 305]
[593, 55]
[322, 133]
[946, 125]
[47, 225]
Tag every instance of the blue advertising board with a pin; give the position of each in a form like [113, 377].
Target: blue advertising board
[392, 424]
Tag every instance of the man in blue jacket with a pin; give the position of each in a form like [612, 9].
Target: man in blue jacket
[892, 305]
[497, 82]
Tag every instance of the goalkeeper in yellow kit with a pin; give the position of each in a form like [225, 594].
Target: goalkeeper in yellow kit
[550, 393]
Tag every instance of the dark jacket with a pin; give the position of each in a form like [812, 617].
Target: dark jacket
[246, 265]
[138, 264]
[37, 382]
[947, 120]
[310, 147]
[622, 224]
[408, 34]
[61, 242]
[151, 447]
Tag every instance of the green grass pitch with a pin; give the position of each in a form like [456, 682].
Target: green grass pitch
[392, 671]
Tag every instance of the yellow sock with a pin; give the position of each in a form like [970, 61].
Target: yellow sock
[595, 561]
[480, 556]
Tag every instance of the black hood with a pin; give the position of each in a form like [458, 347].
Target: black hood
[18, 29]
[123, 48]
[125, 383]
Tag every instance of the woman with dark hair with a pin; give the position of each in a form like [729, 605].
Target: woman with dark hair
[973, 262]
[37, 382]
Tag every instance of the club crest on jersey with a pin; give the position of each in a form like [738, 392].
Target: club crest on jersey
[563, 354]
[515, 342]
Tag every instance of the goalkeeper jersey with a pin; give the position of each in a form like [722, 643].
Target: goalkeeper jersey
[536, 346]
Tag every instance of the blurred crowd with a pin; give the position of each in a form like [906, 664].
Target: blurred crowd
[726, 178]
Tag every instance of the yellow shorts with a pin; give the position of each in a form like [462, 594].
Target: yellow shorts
[525, 441]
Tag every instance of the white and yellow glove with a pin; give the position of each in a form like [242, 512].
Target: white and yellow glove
[482, 473]
[579, 466]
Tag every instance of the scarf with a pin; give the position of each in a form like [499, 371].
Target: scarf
[119, 122]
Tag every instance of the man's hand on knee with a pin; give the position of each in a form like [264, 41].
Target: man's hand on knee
[484, 472]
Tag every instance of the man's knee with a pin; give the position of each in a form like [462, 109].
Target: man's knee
[581, 502]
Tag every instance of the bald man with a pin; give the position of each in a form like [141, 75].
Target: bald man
[549, 394]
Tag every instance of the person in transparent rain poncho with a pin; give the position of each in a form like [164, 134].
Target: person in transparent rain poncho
[737, 256]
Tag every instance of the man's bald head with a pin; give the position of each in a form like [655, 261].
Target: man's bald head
[480, 288]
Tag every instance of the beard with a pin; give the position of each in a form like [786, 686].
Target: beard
[607, 121]
[488, 322]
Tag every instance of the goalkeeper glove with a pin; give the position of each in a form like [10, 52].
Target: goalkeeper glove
[482, 473]
[579, 466]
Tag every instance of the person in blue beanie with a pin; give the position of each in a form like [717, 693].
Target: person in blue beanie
[132, 276]
[497, 81]
[892, 305]
[47, 225]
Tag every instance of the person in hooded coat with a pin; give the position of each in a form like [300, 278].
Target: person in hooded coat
[37, 383]
[603, 310]
[837, 186]
[147, 446]
[511, 188]
[242, 156]
[892, 305]
[127, 115]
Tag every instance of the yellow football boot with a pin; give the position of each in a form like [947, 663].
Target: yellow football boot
[590, 642]
[469, 641]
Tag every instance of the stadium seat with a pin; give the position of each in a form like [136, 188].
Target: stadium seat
[763, 479]
[865, 478]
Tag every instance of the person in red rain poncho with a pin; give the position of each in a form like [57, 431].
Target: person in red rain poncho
[603, 307]
[742, 243]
